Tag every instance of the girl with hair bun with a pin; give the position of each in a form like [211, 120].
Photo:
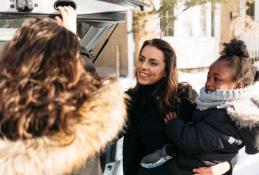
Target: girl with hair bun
[226, 117]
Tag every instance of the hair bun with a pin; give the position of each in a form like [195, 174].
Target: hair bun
[236, 48]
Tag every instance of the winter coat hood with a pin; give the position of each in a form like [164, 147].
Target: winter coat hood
[102, 117]
[242, 105]
[246, 112]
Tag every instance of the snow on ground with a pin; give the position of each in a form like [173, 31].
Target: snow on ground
[246, 164]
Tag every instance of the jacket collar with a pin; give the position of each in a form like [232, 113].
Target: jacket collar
[246, 112]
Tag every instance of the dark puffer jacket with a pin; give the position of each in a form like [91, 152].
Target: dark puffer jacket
[216, 133]
[211, 138]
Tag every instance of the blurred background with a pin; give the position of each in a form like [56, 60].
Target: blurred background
[195, 28]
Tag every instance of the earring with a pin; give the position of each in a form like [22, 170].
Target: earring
[240, 85]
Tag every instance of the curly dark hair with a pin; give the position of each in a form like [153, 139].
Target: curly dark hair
[41, 86]
[236, 55]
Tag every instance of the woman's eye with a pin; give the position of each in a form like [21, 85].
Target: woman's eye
[141, 59]
[153, 63]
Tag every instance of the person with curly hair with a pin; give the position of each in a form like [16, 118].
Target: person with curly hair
[54, 115]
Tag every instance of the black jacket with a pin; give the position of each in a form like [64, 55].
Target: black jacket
[211, 138]
[145, 131]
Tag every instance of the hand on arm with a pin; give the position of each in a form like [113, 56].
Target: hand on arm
[68, 19]
[218, 169]
[170, 116]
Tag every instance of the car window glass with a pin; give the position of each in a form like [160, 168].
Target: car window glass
[8, 28]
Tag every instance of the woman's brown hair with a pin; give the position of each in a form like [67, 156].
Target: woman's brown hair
[168, 85]
[41, 89]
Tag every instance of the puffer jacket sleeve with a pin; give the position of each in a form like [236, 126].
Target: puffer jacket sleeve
[250, 136]
[186, 101]
[198, 137]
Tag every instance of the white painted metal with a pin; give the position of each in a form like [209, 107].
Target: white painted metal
[83, 7]
[257, 11]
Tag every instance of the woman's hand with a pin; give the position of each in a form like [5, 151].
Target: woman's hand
[218, 169]
[170, 116]
[68, 19]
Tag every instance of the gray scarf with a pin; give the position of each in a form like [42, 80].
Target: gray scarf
[225, 98]
[242, 104]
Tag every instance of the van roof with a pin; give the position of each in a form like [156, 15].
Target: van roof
[83, 7]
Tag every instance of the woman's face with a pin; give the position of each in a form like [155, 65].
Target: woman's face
[150, 66]
[220, 77]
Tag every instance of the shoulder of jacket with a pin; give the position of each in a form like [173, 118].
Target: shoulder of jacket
[102, 117]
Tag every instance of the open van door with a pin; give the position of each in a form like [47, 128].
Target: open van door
[96, 18]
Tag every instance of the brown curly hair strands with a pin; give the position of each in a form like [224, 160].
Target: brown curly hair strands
[39, 86]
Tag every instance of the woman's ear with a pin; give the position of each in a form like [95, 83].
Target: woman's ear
[240, 85]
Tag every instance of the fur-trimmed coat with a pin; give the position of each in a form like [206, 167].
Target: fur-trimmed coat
[246, 117]
[102, 117]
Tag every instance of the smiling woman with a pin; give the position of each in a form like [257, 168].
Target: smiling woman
[157, 91]
[157, 65]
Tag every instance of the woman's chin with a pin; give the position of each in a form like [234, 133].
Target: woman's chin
[144, 82]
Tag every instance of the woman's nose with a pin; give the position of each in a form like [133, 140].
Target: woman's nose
[144, 65]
